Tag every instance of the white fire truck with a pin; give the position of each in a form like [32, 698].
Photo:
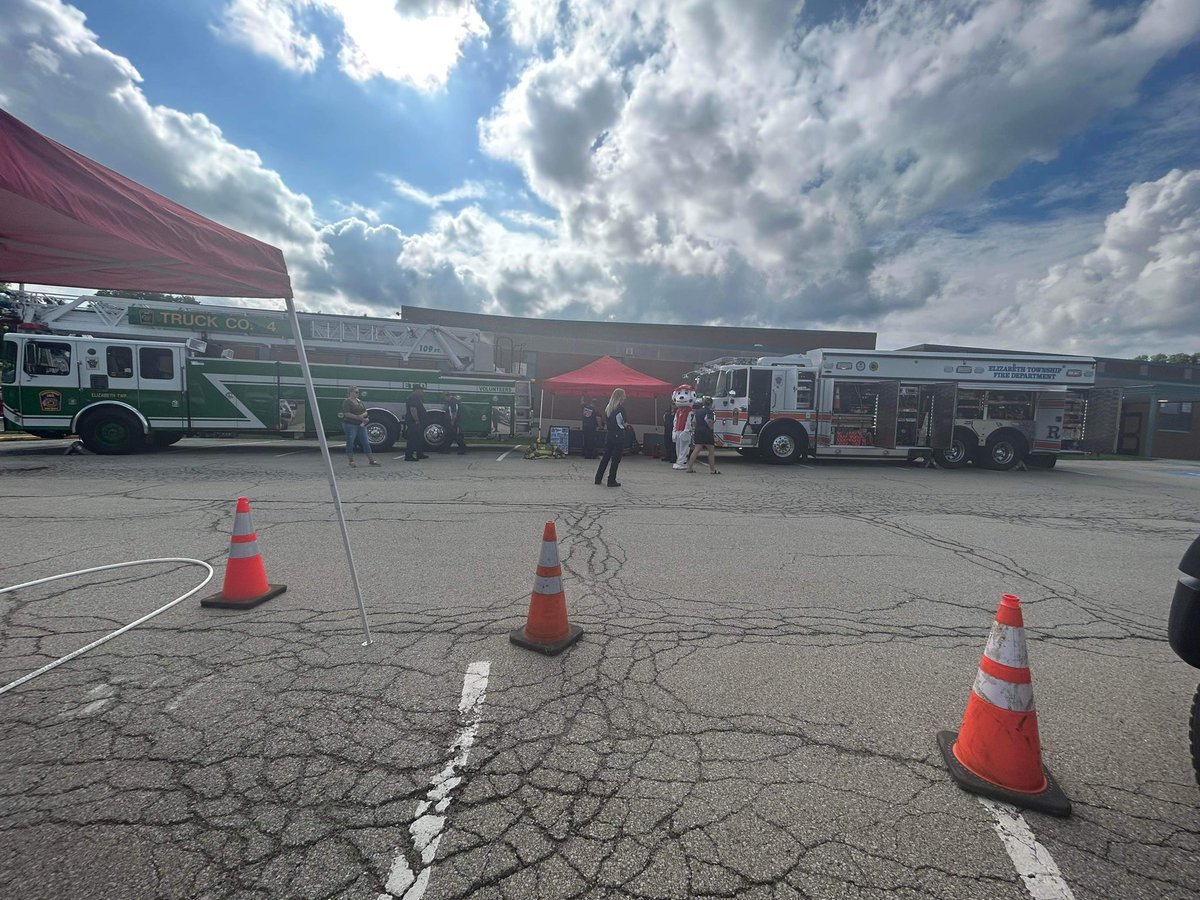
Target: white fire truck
[990, 409]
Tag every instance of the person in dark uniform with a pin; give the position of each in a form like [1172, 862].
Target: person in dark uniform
[414, 425]
[615, 445]
[590, 421]
[454, 433]
[668, 439]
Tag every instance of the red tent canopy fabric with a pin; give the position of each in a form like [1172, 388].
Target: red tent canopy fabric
[67, 220]
[601, 376]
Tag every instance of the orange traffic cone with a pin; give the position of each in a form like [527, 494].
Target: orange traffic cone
[546, 629]
[997, 752]
[245, 578]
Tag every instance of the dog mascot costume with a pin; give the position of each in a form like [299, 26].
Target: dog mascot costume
[683, 398]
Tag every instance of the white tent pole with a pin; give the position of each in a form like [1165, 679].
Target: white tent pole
[541, 409]
[333, 488]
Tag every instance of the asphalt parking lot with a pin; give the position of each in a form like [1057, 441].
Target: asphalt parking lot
[751, 712]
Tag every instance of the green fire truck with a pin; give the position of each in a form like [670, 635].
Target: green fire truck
[121, 396]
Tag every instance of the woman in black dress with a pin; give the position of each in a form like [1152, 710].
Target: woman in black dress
[614, 444]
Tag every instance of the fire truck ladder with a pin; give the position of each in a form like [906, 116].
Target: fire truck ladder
[110, 317]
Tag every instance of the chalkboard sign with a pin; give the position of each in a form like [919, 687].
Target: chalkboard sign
[560, 437]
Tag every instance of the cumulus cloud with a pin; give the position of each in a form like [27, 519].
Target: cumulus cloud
[707, 162]
[75, 91]
[470, 190]
[706, 135]
[1137, 287]
[270, 29]
[418, 42]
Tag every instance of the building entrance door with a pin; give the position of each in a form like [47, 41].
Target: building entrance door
[1129, 441]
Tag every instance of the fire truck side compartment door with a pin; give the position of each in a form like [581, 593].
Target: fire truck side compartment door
[887, 412]
[945, 399]
[758, 406]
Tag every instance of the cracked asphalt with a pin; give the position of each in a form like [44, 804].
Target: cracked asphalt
[751, 713]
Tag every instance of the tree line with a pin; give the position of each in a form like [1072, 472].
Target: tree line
[1181, 358]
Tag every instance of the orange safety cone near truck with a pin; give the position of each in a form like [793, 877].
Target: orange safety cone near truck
[245, 578]
[997, 752]
[547, 629]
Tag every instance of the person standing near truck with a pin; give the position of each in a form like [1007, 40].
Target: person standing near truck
[354, 423]
[414, 425]
[454, 433]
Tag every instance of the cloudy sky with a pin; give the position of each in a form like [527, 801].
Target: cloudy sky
[1005, 172]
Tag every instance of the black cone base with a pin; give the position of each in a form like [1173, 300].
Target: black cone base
[1051, 800]
[216, 601]
[518, 637]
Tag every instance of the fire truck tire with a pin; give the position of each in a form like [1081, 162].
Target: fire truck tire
[782, 445]
[962, 448]
[1041, 461]
[436, 431]
[1003, 451]
[1194, 734]
[162, 439]
[112, 432]
[382, 431]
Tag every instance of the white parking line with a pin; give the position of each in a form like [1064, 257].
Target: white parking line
[500, 458]
[427, 827]
[289, 453]
[1033, 862]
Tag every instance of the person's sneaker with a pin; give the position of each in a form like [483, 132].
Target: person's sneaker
[614, 484]
[374, 462]
[410, 459]
[422, 456]
[597, 481]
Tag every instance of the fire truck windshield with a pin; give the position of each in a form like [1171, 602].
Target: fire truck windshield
[706, 384]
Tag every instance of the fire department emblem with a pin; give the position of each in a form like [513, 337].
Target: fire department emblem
[50, 401]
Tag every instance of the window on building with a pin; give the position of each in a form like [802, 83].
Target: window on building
[47, 358]
[120, 362]
[156, 363]
[1174, 415]
[8, 362]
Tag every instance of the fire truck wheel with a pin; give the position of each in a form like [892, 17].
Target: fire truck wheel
[112, 431]
[783, 445]
[958, 454]
[436, 431]
[1194, 734]
[1041, 461]
[1002, 452]
[382, 432]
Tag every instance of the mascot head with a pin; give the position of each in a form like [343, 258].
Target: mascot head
[684, 395]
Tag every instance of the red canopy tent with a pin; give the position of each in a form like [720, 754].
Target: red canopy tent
[604, 374]
[67, 220]
[600, 377]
